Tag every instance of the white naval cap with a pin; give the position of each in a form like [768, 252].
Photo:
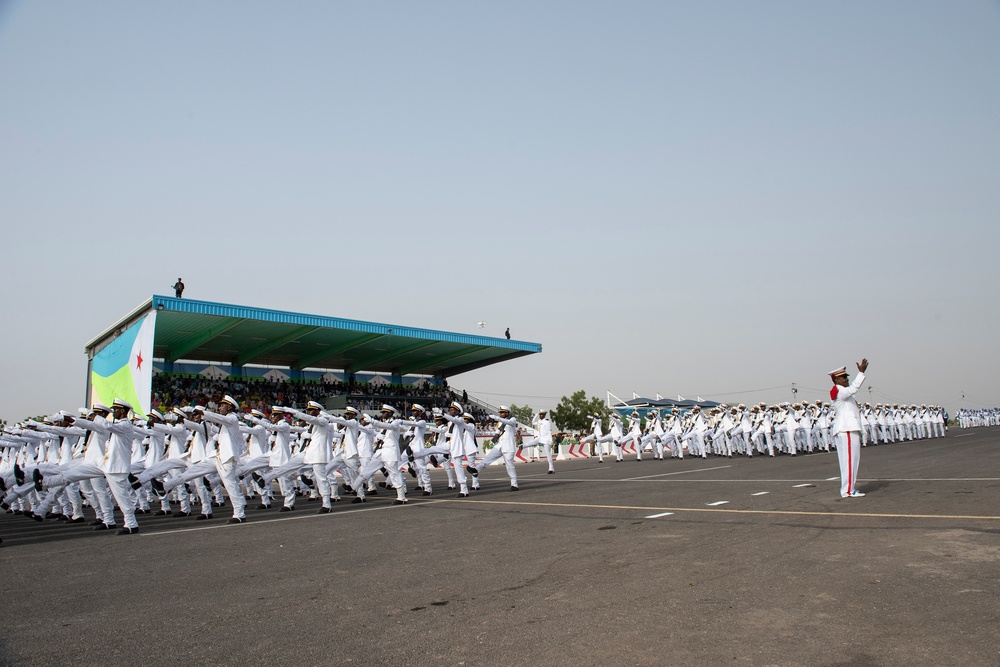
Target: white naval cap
[121, 403]
[232, 401]
[416, 407]
[351, 410]
[457, 406]
[388, 408]
[258, 413]
[313, 405]
[503, 408]
[838, 371]
[157, 414]
[468, 416]
[278, 408]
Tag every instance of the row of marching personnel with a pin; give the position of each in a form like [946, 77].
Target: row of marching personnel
[968, 418]
[788, 428]
[193, 456]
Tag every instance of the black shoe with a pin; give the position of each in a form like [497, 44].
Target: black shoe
[134, 481]
[346, 489]
[18, 475]
[428, 493]
[258, 480]
[163, 513]
[323, 510]
[551, 472]
[187, 487]
[372, 492]
[472, 471]
[3, 485]
[286, 509]
[181, 515]
[305, 480]
[311, 500]
[434, 461]
[128, 531]
[221, 503]
[96, 522]
[37, 517]
[79, 519]
[237, 519]
[202, 517]
[263, 507]
[207, 484]
[36, 477]
[102, 526]
[452, 488]
[385, 473]
[358, 500]
[139, 511]
[462, 495]
[158, 487]
[399, 502]
[336, 500]
[413, 473]
[514, 488]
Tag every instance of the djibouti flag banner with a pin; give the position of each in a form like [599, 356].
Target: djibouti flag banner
[124, 369]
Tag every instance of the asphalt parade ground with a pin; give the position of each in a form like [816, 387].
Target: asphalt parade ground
[696, 562]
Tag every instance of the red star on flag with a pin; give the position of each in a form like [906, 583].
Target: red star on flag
[138, 361]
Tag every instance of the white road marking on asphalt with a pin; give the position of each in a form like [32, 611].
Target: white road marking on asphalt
[657, 516]
[679, 472]
[760, 493]
[718, 502]
[520, 503]
[799, 486]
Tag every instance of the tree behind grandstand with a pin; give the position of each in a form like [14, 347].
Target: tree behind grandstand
[574, 413]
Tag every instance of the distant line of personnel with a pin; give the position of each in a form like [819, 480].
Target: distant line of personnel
[789, 428]
[975, 418]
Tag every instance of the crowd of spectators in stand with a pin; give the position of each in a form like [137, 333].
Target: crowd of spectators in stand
[175, 390]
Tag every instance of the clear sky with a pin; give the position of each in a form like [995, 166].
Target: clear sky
[695, 198]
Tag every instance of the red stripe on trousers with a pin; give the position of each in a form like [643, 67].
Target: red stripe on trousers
[850, 467]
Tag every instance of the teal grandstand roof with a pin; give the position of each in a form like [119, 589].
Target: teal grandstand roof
[240, 335]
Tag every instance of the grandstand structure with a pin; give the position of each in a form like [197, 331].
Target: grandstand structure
[226, 341]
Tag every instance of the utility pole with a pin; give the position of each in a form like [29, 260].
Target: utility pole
[795, 393]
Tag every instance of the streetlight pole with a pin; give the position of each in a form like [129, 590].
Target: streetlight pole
[795, 392]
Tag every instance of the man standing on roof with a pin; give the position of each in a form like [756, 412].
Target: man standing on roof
[178, 288]
[847, 426]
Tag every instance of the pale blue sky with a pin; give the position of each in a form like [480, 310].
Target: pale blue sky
[675, 197]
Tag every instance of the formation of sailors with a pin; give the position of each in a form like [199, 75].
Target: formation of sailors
[788, 428]
[189, 460]
[968, 418]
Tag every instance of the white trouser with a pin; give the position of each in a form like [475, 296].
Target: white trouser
[848, 454]
[508, 460]
[227, 473]
[122, 491]
[546, 448]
